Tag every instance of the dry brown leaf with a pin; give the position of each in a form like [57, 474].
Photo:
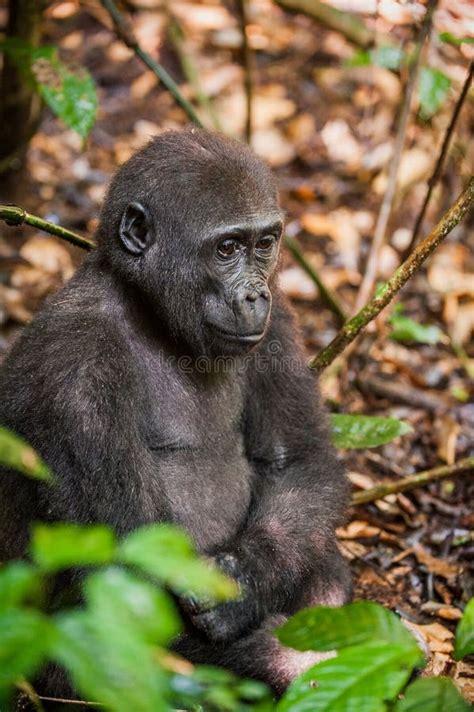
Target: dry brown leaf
[271, 145]
[437, 637]
[296, 284]
[49, 255]
[358, 530]
[341, 144]
[437, 566]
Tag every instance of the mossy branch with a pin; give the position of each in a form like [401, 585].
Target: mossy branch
[13, 215]
[406, 270]
[125, 33]
[413, 481]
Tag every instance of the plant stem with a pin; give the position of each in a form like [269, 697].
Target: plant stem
[242, 6]
[441, 158]
[370, 272]
[13, 215]
[327, 296]
[125, 33]
[413, 481]
[406, 270]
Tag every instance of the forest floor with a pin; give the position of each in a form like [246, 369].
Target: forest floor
[328, 131]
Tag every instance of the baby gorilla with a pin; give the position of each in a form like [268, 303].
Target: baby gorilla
[166, 382]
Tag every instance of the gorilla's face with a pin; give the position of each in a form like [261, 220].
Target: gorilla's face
[240, 260]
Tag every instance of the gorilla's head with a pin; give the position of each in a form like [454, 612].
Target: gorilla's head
[192, 221]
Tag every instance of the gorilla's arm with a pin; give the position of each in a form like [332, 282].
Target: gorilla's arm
[288, 544]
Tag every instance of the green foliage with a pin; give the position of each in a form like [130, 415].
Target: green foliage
[406, 329]
[464, 644]
[361, 431]
[357, 623]
[388, 56]
[16, 454]
[19, 582]
[433, 90]
[60, 546]
[69, 93]
[452, 39]
[167, 554]
[437, 694]
[359, 678]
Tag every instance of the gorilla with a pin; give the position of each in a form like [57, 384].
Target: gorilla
[166, 382]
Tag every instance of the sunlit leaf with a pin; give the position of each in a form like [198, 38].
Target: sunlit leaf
[25, 637]
[390, 57]
[360, 678]
[406, 329]
[60, 546]
[464, 644]
[452, 39]
[361, 431]
[433, 90]
[432, 694]
[167, 553]
[16, 454]
[325, 628]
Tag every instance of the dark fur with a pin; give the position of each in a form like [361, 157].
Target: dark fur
[105, 384]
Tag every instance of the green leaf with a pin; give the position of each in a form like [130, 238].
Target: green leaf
[109, 662]
[69, 93]
[166, 553]
[135, 603]
[360, 678]
[406, 329]
[433, 90]
[464, 644]
[325, 628]
[25, 637]
[18, 455]
[19, 582]
[61, 546]
[432, 694]
[452, 39]
[361, 431]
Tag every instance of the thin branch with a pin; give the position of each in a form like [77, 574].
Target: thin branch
[370, 273]
[465, 466]
[65, 701]
[13, 215]
[188, 65]
[327, 296]
[348, 24]
[125, 33]
[247, 62]
[406, 270]
[441, 158]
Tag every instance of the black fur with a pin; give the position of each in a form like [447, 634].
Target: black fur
[162, 384]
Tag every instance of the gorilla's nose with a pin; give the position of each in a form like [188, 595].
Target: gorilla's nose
[252, 307]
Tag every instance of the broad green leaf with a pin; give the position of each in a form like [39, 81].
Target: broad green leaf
[109, 662]
[25, 637]
[18, 455]
[166, 553]
[464, 644]
[452, 39]
[135, 603]
[360, 58]
[324, 628]
[61, 546]
[432, 694]
[359, 679]
[19, 582]
[390, 57]
[433, 90]
[69, 93]
[406, 329]
[361, 431]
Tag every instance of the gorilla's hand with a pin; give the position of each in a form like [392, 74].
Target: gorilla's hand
[227, 621]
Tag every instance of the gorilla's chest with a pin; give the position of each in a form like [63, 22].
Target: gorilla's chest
[197, 443]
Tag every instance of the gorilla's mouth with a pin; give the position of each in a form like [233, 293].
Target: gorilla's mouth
[236, 336]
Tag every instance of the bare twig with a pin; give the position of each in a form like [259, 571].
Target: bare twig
[465, 466]
[348, 24]
[406, 270]
[327, 296]
[441, 158]
[370, 273]
[125, 33]
[13, 215]
[247, 61]
[65, 701]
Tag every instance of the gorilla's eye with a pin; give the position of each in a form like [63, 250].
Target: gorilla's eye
[228, 248]
[266, 242]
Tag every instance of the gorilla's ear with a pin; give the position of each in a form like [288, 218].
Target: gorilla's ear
[136, 230]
